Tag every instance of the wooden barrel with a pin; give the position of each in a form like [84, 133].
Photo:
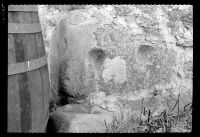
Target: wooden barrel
[28, 78]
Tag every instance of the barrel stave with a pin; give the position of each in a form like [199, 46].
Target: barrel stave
[14, 123]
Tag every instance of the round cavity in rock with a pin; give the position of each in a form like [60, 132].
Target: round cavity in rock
[98, 55]
[144, 51]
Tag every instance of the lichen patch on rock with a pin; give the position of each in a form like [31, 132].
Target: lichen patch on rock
[115, 68]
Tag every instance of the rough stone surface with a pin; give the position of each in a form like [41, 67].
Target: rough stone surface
[118, 56]
[91, 123]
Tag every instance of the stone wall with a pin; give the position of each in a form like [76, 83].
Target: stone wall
[119, 55]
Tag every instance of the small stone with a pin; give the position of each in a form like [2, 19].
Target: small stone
[144, 117]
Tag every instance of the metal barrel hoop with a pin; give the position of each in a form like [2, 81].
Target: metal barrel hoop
[22, 67]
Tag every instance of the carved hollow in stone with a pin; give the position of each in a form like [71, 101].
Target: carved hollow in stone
[98, 56]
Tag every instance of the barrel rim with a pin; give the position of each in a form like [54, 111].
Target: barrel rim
[23, 8]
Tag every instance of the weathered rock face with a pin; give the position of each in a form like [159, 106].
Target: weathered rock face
[129, 52]
[134, 66]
